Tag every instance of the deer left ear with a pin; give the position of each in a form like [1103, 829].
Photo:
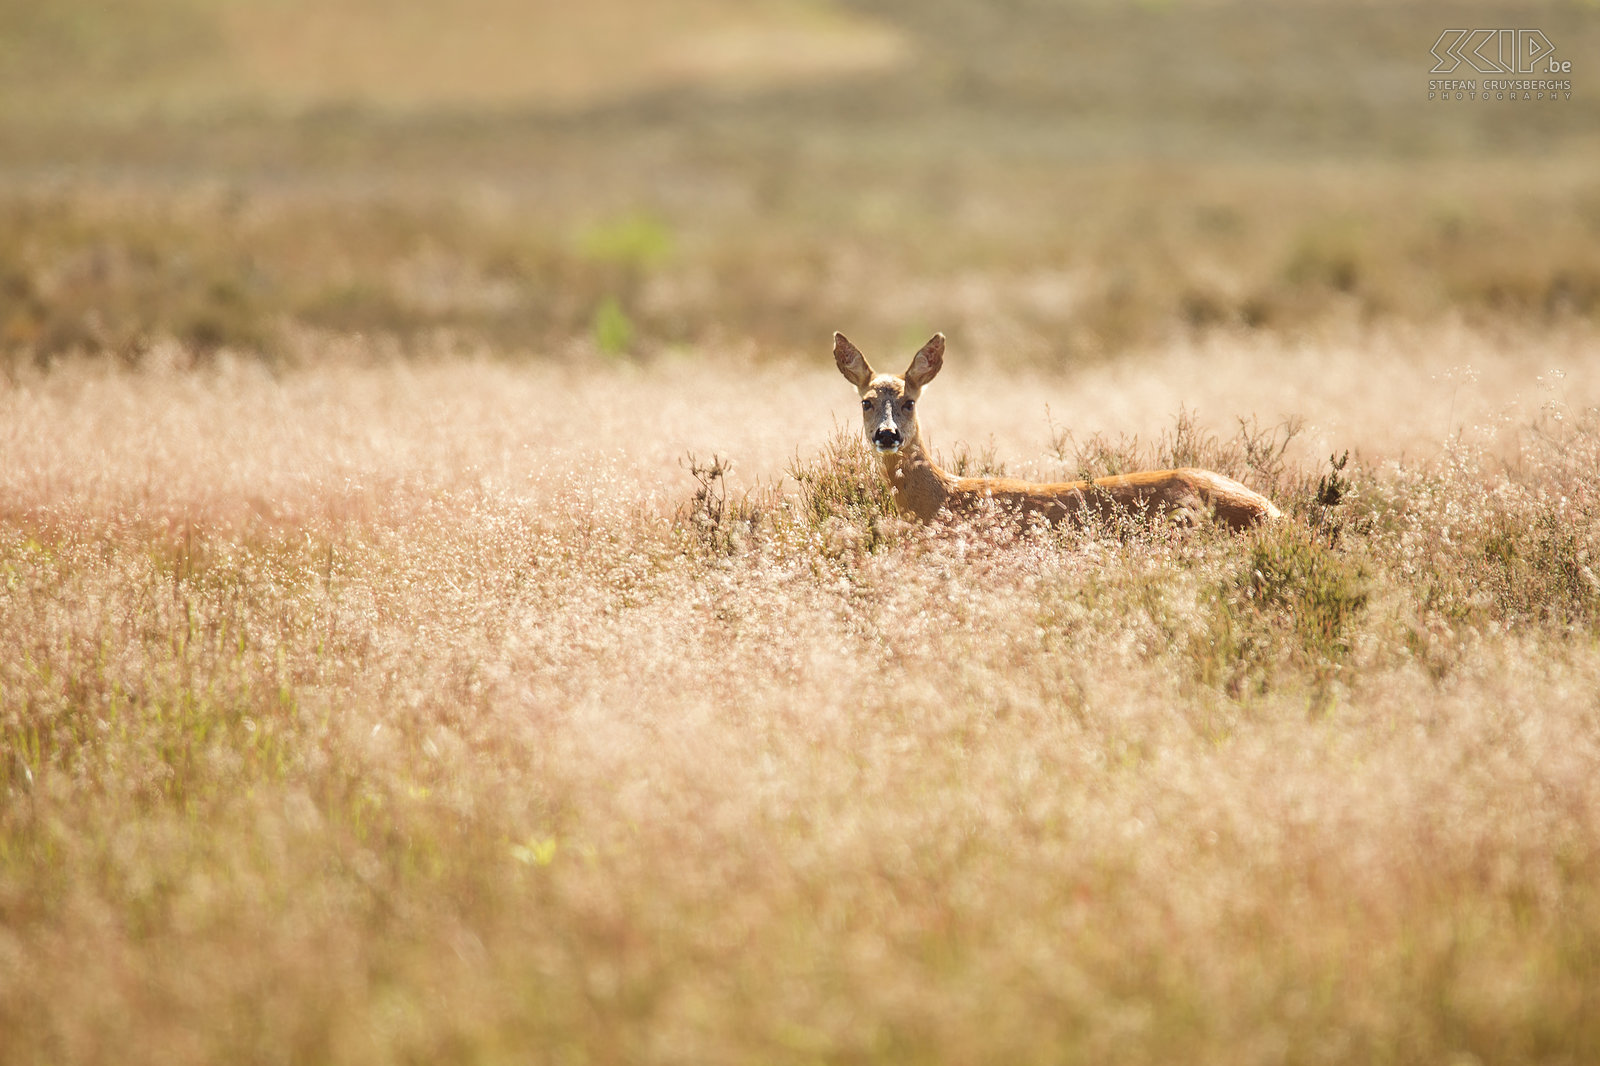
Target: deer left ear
[926, 363]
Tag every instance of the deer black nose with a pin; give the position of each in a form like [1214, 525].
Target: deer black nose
[887, 438]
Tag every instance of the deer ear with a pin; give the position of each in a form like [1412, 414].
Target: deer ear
[852, 364]
[926, 363]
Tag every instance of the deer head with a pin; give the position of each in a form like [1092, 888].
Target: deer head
[889, 403]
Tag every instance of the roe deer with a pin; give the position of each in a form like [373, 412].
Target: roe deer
[921, 489]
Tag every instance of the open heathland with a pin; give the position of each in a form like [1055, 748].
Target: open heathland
[448, 613]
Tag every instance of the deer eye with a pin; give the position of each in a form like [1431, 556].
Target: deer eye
[866, 405]
[910, 404]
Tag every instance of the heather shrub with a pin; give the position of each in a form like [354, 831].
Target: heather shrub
[1290, 606]
[844, 503]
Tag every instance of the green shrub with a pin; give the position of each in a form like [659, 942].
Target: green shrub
[1291, 603]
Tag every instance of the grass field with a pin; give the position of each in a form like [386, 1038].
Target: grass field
[386, 711]
[393, 668]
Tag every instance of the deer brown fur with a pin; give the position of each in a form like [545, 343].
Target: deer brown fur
[923, 491]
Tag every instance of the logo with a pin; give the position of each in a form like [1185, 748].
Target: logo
[1497, 52]
[1463, 55]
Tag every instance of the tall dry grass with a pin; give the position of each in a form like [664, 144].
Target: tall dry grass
[376, 711]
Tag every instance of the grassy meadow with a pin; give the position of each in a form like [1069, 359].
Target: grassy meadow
[447, 613]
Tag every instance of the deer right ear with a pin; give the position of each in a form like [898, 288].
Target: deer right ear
[852, 364]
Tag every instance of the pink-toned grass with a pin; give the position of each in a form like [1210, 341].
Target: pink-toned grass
[377, 712]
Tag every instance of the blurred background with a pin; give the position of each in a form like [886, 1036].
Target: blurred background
[1046, 180]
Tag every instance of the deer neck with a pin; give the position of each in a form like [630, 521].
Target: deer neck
[919, 487]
